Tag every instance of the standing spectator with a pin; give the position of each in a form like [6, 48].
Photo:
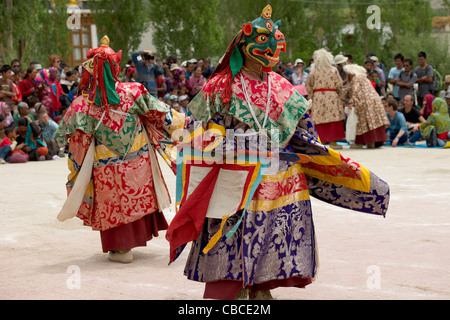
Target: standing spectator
[190, 66]
[288, 71]
[381, 74]
[147, 70]
[398, 131]
[67, 83]
[27, 85]
[161, 86]
[368, 65]
[15, 78]
[324, 88]
[375, 80]
[6, 86]
[15, 65]
[394, 72]
[340, 62]
[372, 120]
[378, 64]
[424, 74]
[196, 81]
[208, 70]
[54, 61]
[299, 76]
[447, 98]
[180, 81]
[49, 89]
[406, 80]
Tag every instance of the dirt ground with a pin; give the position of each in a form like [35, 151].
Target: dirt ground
[405, 256]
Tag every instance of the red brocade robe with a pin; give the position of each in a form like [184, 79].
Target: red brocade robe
[124, 186]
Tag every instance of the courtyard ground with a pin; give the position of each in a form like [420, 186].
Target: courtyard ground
[405, 256]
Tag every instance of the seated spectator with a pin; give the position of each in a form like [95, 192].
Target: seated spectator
[184, 101]
[29, 140]
[48, 127]
[412, 116]
[427, 105]
[397, 130]
[7, 144]
[23, 110]
[5, 111]
[436, 129]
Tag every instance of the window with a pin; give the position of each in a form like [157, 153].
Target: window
[81, 41]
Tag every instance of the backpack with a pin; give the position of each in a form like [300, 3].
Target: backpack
[436, 84]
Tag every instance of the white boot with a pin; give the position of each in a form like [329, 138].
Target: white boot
[122, 256]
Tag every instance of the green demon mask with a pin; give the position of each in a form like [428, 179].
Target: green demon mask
[264, 40]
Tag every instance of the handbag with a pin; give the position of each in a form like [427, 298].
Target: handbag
[350, 126]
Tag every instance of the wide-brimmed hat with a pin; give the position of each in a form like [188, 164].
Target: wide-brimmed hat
[174, 66]
[298, 61]
[339, 59]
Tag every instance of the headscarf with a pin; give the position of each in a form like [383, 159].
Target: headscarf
[438, 119]
[429, 109]
[47, 76]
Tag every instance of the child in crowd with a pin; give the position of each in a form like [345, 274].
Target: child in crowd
[7, 144]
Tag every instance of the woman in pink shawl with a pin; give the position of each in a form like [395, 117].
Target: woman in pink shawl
[427, 107]
[196, 81]
[179, 78]
[49, 90]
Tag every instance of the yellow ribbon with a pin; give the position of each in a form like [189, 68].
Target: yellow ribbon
[216, 236]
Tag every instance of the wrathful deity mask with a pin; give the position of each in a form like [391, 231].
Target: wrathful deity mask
[263, 39]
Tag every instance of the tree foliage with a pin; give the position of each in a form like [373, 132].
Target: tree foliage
[38, 27]
[124, 21]
[204, 28]
[186, 28]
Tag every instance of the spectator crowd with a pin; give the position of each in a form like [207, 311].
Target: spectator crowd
[34, 98]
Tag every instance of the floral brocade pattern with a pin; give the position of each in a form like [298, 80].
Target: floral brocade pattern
[276, 239]
[278, 244]
[286, 109]
[121, 189]
[327, 106]
[368, 107]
